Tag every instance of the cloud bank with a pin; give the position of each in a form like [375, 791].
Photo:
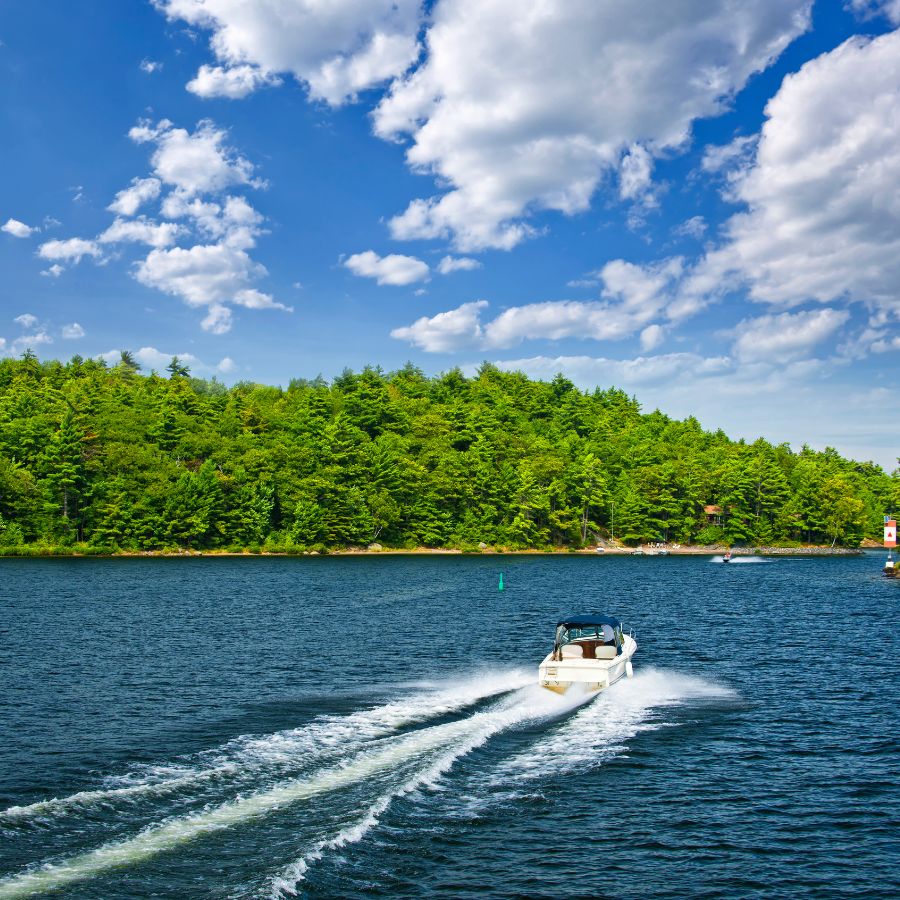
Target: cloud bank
[193, 175]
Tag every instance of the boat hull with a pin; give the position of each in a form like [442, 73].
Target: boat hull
[590, 675]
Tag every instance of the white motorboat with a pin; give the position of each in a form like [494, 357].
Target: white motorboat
[591, 651]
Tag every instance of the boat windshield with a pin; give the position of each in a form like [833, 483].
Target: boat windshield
[605, 633]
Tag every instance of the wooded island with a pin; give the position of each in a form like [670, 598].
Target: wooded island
[100, 459]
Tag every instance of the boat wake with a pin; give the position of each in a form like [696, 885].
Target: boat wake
[594, 735]
[598, 732]
[244, 757]
[740, 560]
[529, 704]
[380, 754]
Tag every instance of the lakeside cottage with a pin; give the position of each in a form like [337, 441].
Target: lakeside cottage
[713, 514]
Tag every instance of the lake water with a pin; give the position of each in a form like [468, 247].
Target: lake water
[359, 727]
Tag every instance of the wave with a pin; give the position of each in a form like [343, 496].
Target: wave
[530, 704]
[595, 733]
[391, 763]
[419, 757]
[247, 755]
[592, 737]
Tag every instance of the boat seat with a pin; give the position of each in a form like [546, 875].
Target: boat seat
[572, 651]
[605, 651]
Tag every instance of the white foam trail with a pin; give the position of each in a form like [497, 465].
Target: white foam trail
[460, 736]
[532, 704]
[247, 755]
[595, 734]
[286, 883]
[740, 560]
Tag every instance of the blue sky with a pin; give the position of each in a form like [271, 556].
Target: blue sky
[699, 203]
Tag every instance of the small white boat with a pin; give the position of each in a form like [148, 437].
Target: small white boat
[590, 651]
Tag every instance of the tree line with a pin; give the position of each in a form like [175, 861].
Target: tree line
[100, 458]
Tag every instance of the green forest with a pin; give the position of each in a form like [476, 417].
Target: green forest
[98, 459]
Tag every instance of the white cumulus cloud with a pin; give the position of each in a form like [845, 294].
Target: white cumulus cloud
[18, 229]
[129, 200]
[725, 158]
[456, 329]
[26, 320]
[217, 319]
[457, 264]
[581, 83]
[141, 231]
[232, 220]
[254, 299]
[201, 275]
[787, 336]
[651, 337]
[336, 48]
[234, 83]
[393, 269]
[822, 219]
[70, 250]
[194, 162]
[635, 173]
[194, 174]
[632, 297]
[72, 332]
[210, 275]
[27, 342]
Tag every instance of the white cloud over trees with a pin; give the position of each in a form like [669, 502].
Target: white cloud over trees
[193, 175]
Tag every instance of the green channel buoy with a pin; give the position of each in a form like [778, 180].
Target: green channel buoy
[500, 586]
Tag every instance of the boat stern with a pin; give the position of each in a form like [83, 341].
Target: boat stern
[559, 675]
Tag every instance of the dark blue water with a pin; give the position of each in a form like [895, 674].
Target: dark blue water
[359, 727]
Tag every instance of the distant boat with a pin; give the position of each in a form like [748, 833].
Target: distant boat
[727, 556]
[591, 651]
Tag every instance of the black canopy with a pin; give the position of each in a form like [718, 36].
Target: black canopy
[588, 622]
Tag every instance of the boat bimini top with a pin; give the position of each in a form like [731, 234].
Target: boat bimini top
[597, 629]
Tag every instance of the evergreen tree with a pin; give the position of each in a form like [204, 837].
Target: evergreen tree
[116, 459]
[194, 511]
[177, 369]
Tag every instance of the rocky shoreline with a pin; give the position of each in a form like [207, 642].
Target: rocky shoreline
[378, 550]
